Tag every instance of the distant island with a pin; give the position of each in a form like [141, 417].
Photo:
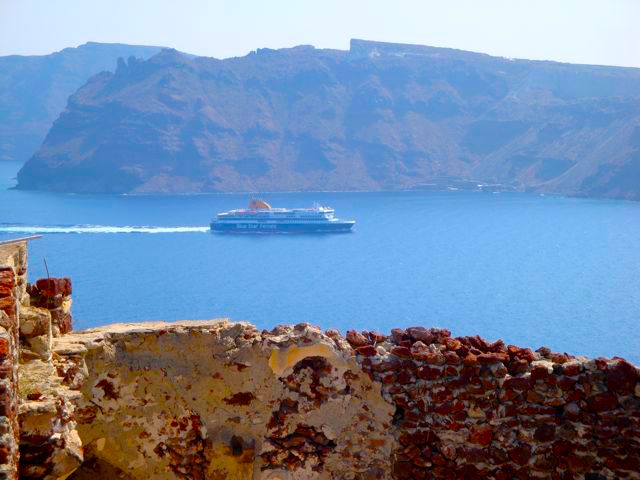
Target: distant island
[34, 90]
[379, 116]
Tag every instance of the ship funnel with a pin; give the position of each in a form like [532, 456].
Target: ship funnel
[256, 204]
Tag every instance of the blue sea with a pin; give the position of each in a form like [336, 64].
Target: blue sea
[532, 270]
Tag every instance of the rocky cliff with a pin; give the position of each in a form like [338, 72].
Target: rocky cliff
[223, 400]
[34, 90]
[379, 116]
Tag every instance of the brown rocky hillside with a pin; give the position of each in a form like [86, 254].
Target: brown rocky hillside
[379, 116]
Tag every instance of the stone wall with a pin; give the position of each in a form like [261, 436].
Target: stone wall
[37, 428]
[13, 271]
[466, 408]
[223, 400]
[49, 444]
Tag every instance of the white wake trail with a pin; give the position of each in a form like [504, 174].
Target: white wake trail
[97, 229]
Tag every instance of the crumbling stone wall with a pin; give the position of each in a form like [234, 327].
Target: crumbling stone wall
[13, 271]
[50, 447]
[221, 400]
[467, 408]
[37, 428]
[53, 295]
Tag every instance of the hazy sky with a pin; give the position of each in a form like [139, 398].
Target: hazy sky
[579, 31]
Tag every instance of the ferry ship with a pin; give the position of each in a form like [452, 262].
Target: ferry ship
[260, 217]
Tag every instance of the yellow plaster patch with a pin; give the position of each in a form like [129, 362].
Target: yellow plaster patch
[283, 358]
[100, 444]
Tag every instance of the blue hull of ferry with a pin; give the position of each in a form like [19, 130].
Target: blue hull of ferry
[281, 227]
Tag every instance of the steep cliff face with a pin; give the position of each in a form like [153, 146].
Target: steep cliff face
[34, 90]
[379, 116]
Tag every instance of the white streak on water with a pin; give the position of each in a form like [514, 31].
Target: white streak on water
[97, 229]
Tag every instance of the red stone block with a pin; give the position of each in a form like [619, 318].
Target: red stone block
[443, 395]
[7, 303]
[376, 337]
[367, 351]
[386, 366]
[470, 360]
[452, 358]
[579, 463]
[5, 453]
[6, 289]
[475, 389]
[398, 335]
[509, 411]
[476, 342]
[517, 366]
[562, 447]
[450, 371]
[631, 463]
[5, 348]
[452, 344]
[489, 358]
[443, 408]
[602, 402]
[601, 363]
[433, 358]
[560, 358]
[555, 402]
[517, 383]
[575, 396]
[498, 346]
[7, 405]
[539, 372]
[536, 410]
[429, 373]
[534, 397]
[572, 369]
[621, 376]
[421, 334]
[356, 339]
[50, 287]
[481, 435]
[545, 433]
[566, 383]
[7, 276]
[520, 454]
[389, 378]
[6, 369]
[404, 377]
[402, 352]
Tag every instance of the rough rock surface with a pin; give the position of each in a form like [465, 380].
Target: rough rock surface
[221, 400]
[217, 399]
[13, 288]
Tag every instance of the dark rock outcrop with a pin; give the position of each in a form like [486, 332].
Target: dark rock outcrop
[379, 116]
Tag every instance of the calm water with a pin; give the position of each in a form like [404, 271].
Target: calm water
[532, 270]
